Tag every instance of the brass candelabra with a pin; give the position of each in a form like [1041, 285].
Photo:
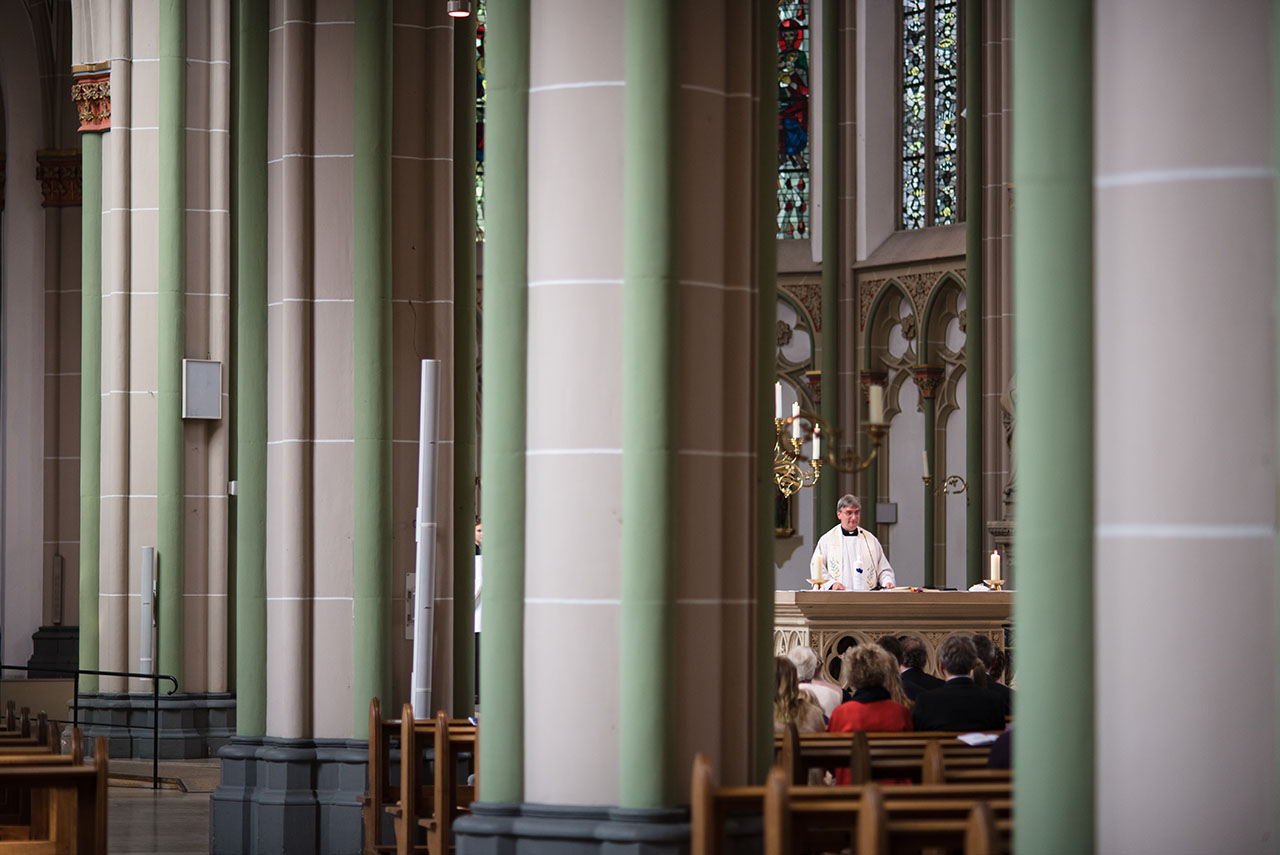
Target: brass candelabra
[792, 470]
[952, 481]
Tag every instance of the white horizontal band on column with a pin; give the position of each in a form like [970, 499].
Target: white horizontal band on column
[1186, 532]
[1177, 176]
[584, 84]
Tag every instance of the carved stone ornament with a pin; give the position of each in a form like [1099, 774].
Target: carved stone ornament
[928, 378]
[909, 327]
[59, 175]
[809, 295]
[815, 385]
[91, 93]
[963, 318]
[784, 333]
[872, 378]
[919, 287]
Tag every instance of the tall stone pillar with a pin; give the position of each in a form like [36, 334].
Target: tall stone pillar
[1186, 233]
[576, 461]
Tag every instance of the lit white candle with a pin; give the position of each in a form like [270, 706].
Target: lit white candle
[924, 462]
[875, 405]
[995, 565]
[817, 448]
[795, 420]
[777, 400]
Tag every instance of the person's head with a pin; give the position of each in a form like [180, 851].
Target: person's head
[805, 660]
[914, 654]
[786, 686]
[849, 511]
[893, 645]
[957, 655]
[870, 666]
[479, 533]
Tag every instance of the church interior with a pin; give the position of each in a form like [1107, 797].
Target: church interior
[297, 294]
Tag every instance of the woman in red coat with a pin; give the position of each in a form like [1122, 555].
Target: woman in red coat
[879, 702]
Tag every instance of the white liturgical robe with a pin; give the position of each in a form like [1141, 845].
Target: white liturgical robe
[855, 560]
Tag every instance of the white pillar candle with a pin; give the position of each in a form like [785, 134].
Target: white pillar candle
[777, 400]
[795, 420]
[817, 452]
[995, 565]
[875, 405]
[924, 462]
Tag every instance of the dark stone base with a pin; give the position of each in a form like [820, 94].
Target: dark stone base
[56, 647]
[533, 829]
[289, 797]
[192, 726]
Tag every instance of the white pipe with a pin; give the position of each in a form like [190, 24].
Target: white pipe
[425, 532]
[146, 611]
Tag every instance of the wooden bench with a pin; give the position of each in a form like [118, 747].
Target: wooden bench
[63, 804]
[435, 805]
[876, 756]
[385, 788]
[871, 818]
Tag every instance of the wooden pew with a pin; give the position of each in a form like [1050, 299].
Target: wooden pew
[385, 788]
[431, 806]
[876, 820]
[66, 804]
[873, 756]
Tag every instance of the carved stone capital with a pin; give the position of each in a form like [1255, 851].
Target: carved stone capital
[59, 175]
[91, 93]
[928, 378]
[815, 385]
[872, 378]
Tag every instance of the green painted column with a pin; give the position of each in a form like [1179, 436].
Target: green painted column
[464, 364]
[371, 250]
[975, 509]
[650, 400]
[250, 407]
[90, 399]
[1053, 346]
[829, 408]
[766, 317]
[1275, 119]
[930, 406]
[504, 393]
[171, 271]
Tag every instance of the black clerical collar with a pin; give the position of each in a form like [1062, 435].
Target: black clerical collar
[848, 533]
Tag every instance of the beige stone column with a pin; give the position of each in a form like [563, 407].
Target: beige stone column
[422, 312]
[1186, 471]
[574, 463]
[208, 330]
[117, 273]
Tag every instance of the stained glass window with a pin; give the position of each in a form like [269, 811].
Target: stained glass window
[930, 113]
[793, 119]
[481, 16]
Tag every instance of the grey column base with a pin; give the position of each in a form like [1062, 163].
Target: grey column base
[192, 726]
[289, 797]
[534, 829]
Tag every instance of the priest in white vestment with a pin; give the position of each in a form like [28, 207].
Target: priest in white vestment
[849, 558]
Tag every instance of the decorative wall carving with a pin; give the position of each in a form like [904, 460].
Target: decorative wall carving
[91, 93]
[928, 378]
[59, 175]
[872, 378]
[809, 295]
[784, 333]
[919, 288]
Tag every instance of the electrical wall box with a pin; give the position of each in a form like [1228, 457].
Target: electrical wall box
[201, 389]
[886, 513]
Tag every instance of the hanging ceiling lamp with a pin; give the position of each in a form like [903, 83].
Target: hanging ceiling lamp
[459, 8]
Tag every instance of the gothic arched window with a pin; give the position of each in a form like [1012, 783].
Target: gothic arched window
[930, 80]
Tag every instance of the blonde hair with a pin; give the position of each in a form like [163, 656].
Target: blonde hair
[789, 703]
[869, 666]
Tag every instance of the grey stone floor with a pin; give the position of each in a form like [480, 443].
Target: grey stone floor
[143, 821]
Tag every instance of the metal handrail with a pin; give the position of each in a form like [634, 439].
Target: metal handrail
[75, 705]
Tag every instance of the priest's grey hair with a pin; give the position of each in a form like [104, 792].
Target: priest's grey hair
[848, 500]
